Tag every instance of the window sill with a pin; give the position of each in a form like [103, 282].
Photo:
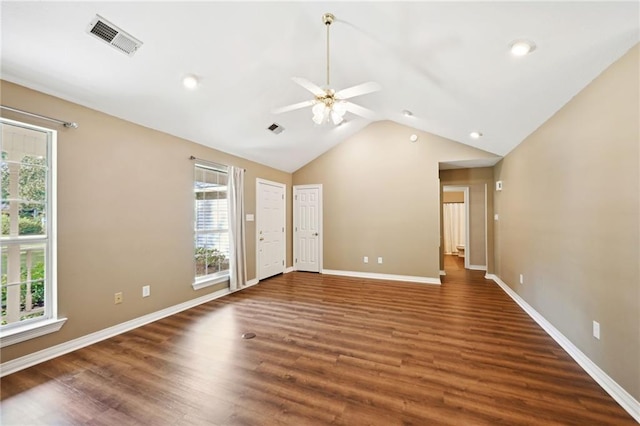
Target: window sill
[209, 281]
[40, 328]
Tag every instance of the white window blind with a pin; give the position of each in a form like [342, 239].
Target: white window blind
[211, 222]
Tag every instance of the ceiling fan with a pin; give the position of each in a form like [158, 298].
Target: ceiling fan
[329, 105]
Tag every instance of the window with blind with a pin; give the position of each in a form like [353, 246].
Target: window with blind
[211, 223]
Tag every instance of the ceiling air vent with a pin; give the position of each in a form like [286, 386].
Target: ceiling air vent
[104, 30]
[276, 128]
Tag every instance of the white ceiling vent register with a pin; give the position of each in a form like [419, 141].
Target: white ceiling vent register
[104, 30]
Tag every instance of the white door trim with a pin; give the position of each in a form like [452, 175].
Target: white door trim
[260, 181]
[486, 228]
[320, 229]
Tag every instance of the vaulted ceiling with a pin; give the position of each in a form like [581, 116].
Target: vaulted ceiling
[446, 62]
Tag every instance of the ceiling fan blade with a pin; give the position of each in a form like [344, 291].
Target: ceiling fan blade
[316, 90]
[360, 89]
[293, 107]
[361, 111]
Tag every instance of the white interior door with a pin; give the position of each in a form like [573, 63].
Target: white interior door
[270, 225]
[307, 219]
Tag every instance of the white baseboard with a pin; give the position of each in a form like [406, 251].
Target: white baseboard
[289, 269]
[32, 359]
[391, 277]
[251, 282]
[477, 267]
[443, 273]
[617, 392]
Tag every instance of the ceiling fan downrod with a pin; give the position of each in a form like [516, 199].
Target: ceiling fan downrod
[328, 18]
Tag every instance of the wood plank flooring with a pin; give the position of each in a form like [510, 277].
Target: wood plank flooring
[329, 350]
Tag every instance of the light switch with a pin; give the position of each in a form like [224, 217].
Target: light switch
[596, 330]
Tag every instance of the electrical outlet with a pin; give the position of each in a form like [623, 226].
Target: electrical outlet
[118, 298]
[146, 291]
[596, 330]
[521, 279]
[379, 261]
[366, 259]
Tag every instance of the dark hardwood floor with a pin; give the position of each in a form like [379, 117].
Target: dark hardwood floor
[329, 350]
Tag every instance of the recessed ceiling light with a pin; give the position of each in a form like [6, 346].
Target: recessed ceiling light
[475, 135]
[413, 138]
[190, 81]
[522, 47]
[407, 113]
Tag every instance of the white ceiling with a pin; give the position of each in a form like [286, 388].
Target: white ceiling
[447, 62]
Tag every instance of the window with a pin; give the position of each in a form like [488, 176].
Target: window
[28, 230]
[211, 224]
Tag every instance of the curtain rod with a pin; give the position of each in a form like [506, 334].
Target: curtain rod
[212, 163]
[68, 124]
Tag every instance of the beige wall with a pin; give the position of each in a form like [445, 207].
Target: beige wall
[125, 216]
[480, 220]
[381, 198]
[453, 197]
[477, 226]
[569, 220]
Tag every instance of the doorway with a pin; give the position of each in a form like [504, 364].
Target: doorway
[307, 228]
[270, 226]
[455, 222]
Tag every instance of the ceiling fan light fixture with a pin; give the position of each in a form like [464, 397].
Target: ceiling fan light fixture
[336, 117]
[339, 108]
[318, 109]
[320, 113]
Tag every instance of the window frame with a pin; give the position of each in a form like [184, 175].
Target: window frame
[49, 322]
[200, 282]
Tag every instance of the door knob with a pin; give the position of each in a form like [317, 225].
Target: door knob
[315, 234]
[261, 239]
